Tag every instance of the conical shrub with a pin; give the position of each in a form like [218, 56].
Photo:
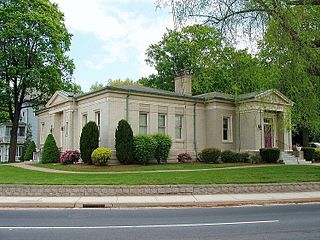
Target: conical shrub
[124, 142]
[51, 153]
[28, 155]
[89, 141]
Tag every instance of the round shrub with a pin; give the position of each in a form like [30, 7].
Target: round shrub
[124, 142]
[89, 141]
[28, 155]
[100, 156]
[210, 155]
[255, 158]
[51, 153]
[144, 148]
[308, 153]
[70, 157]
[184, 157]
[270, 155]
[229, 157]
[164, 144]
[244, 157]
[317, 155]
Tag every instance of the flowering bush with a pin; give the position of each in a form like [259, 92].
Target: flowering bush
[100, 156]
[184, 157]
[70, 157]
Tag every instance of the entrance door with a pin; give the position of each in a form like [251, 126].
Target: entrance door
[268, 133]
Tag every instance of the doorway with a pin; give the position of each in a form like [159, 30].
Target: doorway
[268, 132]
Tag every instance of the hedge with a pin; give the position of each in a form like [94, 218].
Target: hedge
[270, 155]
[308, 153]
[230, 157]
[51, 153]
[124, 142]
[164, 144]
[144, 148]
[317, 155]
[89, 141]
[210, 155]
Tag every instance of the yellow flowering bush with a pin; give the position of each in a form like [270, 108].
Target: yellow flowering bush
[100, 156]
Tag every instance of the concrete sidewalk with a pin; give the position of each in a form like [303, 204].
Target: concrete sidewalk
[160, 201]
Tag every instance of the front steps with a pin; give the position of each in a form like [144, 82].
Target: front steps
[289, 159]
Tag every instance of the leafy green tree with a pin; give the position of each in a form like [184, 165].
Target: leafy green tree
[215, 66]
[51, 153]
[124, 142]
[97, 86]
[118, 82]
[33, 60]
[4, 117]
[89, 141]
[28, 155]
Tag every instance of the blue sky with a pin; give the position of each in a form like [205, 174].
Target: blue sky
[110, 37]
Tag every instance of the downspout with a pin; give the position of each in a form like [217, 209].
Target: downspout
[195, 129]
[72, 122]
[127, 106]
[238, 140]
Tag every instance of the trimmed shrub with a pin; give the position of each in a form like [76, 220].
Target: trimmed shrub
[184, 157]
[308, 153]
[270, 155]
[124, 142]
[89, 141]
[28, 154]
[317, 155]
[255, 158]
[100, 156]
[244, 157]
[70, 157]
[144, 148]
[164, 144]
[51, 153]
[210, 155]
[229, 157]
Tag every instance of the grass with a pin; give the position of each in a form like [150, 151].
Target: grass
[122, 168]
[275, 174]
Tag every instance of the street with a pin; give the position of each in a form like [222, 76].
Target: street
[270, 222]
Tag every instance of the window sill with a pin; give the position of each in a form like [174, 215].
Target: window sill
[227, 141]
[179, 141]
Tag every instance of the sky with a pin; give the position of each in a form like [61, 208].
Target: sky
[110, 37]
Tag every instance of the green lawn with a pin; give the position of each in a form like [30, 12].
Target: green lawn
[275, 174]
[126, 168]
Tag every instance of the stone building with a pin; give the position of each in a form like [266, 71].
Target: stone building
[243, 123]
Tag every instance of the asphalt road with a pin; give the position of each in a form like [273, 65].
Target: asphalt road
[273, 222]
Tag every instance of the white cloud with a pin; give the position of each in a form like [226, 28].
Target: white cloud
[122, 32]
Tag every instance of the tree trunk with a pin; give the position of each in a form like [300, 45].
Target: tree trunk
[13, 137]
[305, 137]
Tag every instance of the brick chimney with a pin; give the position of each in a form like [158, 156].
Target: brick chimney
[183, 83]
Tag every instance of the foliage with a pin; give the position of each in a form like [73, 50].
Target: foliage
[144, 148]
[317, 155]
[244, 157]
[70, 157]
[270, 155]
[33, 57]
[50, 153]
[97, 86]
[215, 66]
[31, 148]
[255, 158]
[4, 117]
[210, 155]
[100, 156]
[184, 158]
[124, 142]
[118, 82]
[164, 144]
[308, 153]
[89, 141]
[229, 157]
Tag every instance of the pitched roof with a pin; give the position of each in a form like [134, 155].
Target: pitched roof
[216, 95]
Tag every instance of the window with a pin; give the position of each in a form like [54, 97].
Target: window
[162, 123]
[226, 129]
[178, 127]
[143, 123]
[97, 119]
[84, 119]
[21, 131]
[18, 151]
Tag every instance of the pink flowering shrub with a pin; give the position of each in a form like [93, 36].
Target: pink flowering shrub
[184, 157]
[70, 157]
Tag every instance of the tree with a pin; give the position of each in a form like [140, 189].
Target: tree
[215, 66]
[4, 117]
[33, 60]
[89, 141]
[30, 148]
[118, 82]
[51, 153]
[124, 142]
[96, 87]
[251, 17]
